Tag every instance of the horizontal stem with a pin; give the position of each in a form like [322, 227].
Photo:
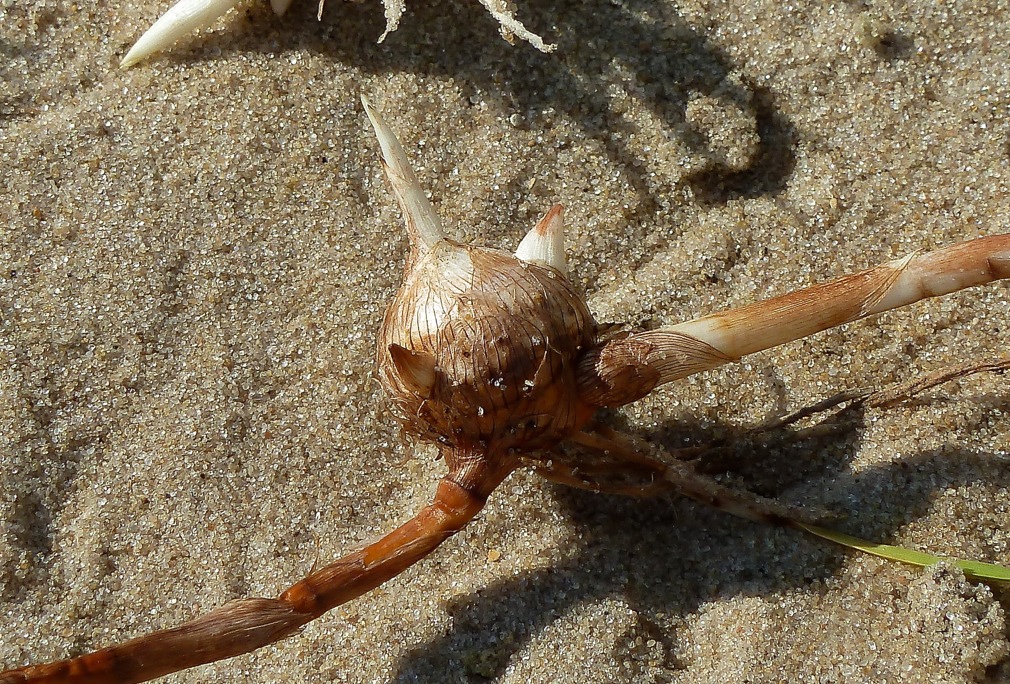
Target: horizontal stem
[627, 368]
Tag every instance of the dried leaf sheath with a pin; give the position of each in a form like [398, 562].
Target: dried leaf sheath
[670, 353]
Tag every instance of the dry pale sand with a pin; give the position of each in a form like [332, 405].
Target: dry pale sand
[195, 255]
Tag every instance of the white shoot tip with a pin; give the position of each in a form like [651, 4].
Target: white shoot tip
[183, 18]
[545, 244]
[423, 224]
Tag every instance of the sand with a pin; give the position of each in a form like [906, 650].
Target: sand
[195, 255]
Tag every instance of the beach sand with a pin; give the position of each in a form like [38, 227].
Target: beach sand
[195, 255]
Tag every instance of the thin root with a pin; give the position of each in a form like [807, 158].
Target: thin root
[888, 396]
[606, 459]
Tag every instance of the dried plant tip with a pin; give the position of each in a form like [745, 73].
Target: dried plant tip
[394, 9]
[281, 6]
[545, 244]
[510, 26]
[423, 225]
[181, 19]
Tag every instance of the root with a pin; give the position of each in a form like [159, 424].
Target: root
[501, 10]
[887, 397]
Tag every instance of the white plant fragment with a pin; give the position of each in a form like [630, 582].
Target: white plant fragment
[545, 243]
[183, 18]
[187, 16]
[423, 225]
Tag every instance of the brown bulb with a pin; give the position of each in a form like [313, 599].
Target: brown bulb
[479, 350]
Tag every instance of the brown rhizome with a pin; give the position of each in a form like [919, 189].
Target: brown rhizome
[496, 358]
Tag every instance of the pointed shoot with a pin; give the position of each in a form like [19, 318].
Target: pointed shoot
[545, 244]
[180, 20]
[423, 225]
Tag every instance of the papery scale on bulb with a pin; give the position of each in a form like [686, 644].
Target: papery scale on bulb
[479, 350]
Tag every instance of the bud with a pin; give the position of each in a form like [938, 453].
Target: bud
[479, 351]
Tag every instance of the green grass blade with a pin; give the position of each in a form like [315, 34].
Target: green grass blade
[983, 572]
